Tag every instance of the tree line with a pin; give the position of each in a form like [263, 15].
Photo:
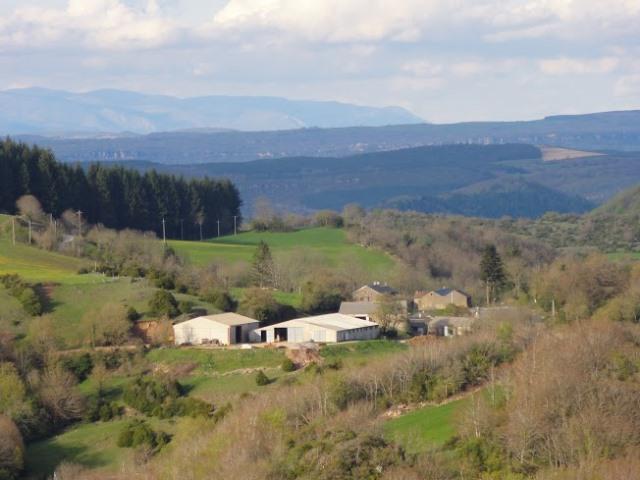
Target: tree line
[118, 197]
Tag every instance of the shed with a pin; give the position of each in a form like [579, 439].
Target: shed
[224, 328]
[450, 326]
[333, 327]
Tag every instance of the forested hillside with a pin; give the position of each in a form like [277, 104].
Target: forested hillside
[473, 180]
[608, 130]
[115, 196]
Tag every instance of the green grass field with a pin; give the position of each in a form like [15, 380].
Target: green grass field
[89, 444]
[425, 428]
[329, 243]
[36, 265]
[361, 351]
[218, 360]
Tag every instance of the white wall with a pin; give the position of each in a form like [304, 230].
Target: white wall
[198, 329]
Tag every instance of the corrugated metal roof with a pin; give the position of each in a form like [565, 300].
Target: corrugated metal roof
[231, 319]
[331, 321]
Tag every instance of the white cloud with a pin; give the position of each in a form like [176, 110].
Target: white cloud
[578, 66]
[105, 24]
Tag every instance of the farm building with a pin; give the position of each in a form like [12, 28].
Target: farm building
[450, 326]
[441, 298]
[333, 327]
[224, 328]
[373, 292]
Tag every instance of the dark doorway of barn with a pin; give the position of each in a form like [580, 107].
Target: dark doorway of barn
[263, 336]
[239, 338]
[280, 334]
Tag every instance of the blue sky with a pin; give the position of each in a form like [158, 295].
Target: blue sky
[446, 61]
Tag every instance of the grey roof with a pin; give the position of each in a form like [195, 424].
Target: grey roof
[451, 322]
[229, 318]
[330, 321]
[444, 291]
[358, 308]
[379, 287]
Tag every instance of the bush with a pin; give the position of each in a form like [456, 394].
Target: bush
[148, 394]
[138, 433]
[100, 409]
[262, 379]
[288, 365]
[133, 315]
[185, 306]
[11, 449]
[163, 303]
[80, 365]
[221, 299]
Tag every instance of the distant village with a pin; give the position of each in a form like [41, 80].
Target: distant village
[372, 311]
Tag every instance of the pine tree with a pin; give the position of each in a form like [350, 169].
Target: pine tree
[492, 272]
[263, 269]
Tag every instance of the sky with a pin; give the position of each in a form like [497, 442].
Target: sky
[445, 60]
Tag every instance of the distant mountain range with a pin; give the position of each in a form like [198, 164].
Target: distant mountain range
[54, 112]
[598, 131]
[486, 181]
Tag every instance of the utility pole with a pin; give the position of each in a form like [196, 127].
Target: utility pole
[164, 232]
[200, 230]
[29, 231]
[13, 230]
[79, 213]
[181, 229]
[218, 228]
[235, 224]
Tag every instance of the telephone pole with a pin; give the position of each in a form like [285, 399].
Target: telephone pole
[181, 229]
[218, 228]
[79, 213]
[164, 232]
[13, 230]
[29, 220]
[235, 224]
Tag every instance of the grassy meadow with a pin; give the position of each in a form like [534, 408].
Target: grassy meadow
[426, 427]
[329, 243]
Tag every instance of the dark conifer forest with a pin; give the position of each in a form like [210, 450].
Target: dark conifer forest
[115, 196]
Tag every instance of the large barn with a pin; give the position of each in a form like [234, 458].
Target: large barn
[224, 329]
[333, 327]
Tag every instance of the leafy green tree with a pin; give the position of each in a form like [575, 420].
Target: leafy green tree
[320, 297]
[492, 272]
[163, 303]
[262, 266]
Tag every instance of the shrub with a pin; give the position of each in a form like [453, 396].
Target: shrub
[11, 449]
[99, 409]
[221, 299]
[28, 298]
[288, 365]
[185, 306]
[262, 379]
[133, 315]
[163, 303]
[148, 394]
[80, 365]
[137, 433]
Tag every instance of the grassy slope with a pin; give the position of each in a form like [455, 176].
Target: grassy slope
[37, 265]
[90, 444]
[330, 243]
[421, 429]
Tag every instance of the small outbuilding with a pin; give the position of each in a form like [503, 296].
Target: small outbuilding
[224, 329]
[333, 327]
[450, 326]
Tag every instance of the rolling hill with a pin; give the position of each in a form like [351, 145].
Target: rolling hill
[43, 111]
[489, 181]
[598, 131]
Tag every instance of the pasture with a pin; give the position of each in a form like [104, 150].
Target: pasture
[329, 244]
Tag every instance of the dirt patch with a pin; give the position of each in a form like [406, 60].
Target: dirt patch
[554, 154]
